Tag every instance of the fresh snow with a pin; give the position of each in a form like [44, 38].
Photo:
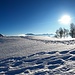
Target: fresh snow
[37, 55]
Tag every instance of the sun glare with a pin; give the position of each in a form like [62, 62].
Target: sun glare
[66, 19]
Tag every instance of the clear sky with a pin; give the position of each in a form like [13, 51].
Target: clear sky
[34, 16]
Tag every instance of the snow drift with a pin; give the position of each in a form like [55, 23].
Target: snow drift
[37, 55]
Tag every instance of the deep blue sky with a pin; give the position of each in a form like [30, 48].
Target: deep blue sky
[33, 16]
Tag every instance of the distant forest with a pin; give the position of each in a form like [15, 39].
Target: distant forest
[62, 32]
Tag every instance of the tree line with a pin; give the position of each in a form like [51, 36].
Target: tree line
[63, 32]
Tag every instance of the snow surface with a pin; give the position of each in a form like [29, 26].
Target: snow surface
[37, 55]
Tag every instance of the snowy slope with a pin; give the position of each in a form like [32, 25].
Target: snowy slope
[34, 55]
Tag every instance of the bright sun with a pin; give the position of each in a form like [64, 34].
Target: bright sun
[65, 19]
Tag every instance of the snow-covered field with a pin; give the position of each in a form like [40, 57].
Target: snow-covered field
[37, 55]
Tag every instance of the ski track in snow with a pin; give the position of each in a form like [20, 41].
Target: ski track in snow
[24, 56]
